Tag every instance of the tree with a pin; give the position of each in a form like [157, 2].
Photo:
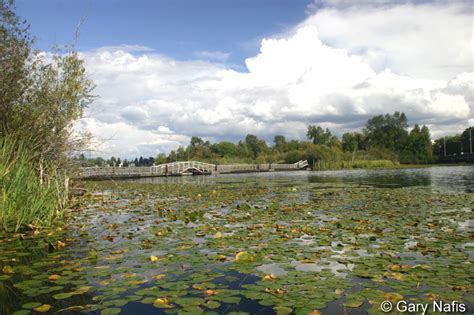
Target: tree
[112, 161]
[419, 148]
[243, 150]
[224, 149]
[349, 142]
[161, 159]
[172, 157]
[467, 140]
[293, 145]
[279, 143]
[181, 154]
[196, 142]
[319, 135]
[387, 132]
[151, 161]
[255, 145]
[361, 140]
[45, 94]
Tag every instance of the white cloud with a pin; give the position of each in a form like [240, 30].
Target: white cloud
[212, 55]
[150, 103]
[428, 40]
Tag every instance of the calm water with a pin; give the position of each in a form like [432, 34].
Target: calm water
[450, 178]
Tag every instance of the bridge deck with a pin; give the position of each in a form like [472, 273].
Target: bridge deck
[184, 168]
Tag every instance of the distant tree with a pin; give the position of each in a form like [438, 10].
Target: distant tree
[172, 157]
[467, 140]
[334, 142]
[224, 149]
[388, 132]
[243, 150]
[279, 143]
[293, 145]
[151, 161]
[255, 145]
[319, 136]
[361, 140]
[181, 154]
[419, 148]
[196, 142]
[113, 161]
[349, 142]
[198, 149]
[161, 159]
[99, 161]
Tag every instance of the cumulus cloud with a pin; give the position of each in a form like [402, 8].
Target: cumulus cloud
[425, 40]
[335, 76]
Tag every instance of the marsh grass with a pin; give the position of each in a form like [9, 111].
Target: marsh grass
[374, 164]
[25, 197]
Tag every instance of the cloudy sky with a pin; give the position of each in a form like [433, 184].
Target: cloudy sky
[220, 69]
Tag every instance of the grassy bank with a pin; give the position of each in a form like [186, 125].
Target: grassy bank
[25, 196]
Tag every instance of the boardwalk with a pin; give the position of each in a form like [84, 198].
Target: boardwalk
[185, 168]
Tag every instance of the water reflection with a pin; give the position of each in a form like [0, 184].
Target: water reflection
[452, 178]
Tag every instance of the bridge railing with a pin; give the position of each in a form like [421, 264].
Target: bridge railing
[180, 167]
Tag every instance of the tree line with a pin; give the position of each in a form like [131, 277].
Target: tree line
[385, 141]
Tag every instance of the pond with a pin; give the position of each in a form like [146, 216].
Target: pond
[333, 242]
[456, 178]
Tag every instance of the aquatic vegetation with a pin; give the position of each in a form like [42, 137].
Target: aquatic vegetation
[24, 197]
[229, 246]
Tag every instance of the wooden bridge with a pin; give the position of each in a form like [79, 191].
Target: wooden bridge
[185, 168]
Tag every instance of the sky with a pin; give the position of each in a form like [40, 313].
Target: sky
[167, 70]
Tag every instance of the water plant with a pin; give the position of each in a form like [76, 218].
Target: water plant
[243, 244]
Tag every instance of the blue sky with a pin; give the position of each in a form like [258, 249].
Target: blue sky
[178, 28]
[168, 70]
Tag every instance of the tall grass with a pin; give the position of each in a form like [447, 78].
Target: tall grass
[25, 198]
[374, 164]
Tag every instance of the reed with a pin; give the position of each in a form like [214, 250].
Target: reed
[25, 196]
[374, 164]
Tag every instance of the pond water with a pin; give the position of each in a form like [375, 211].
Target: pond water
[304, 242]
[455, 178]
